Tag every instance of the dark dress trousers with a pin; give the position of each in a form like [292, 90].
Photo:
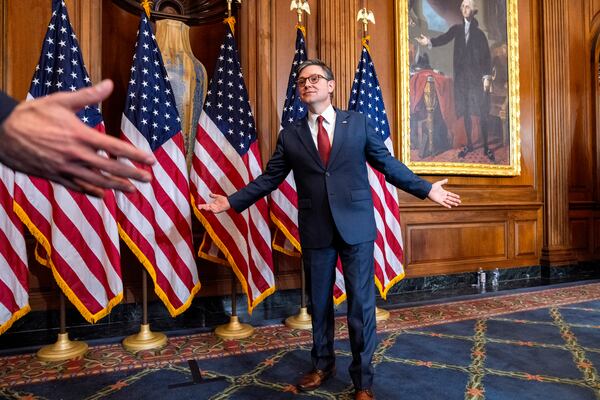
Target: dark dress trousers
[7, 104]
[335, 217]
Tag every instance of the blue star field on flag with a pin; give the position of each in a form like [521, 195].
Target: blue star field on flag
[293, 108]
[227, 102]
[365, 95]
[60, 67]
[150, 103]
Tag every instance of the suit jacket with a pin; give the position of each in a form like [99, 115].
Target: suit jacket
[471, 62]
[337, 195]
[7, 104]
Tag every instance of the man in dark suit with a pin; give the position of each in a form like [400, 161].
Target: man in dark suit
[43, 137]
[472, 73]
[328, 152]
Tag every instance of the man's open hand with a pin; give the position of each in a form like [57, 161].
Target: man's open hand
[45, 138]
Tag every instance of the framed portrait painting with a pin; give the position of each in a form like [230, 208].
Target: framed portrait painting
[458, 86]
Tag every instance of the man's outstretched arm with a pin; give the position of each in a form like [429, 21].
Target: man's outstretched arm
[45, 138]
[276, 171]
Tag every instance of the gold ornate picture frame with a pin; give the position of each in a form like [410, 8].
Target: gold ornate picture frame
[458, 107]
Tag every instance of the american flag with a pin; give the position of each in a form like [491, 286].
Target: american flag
[14, 300]
[284, 200]
[365, 97]
[226, 158]
[155, 221]
[78, 233]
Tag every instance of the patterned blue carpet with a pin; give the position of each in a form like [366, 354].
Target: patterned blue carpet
[548, 354]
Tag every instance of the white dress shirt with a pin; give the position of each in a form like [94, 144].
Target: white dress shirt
[328, 124]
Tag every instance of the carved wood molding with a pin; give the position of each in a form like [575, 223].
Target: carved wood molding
[557, 135]
[191, 12]
[339, 43]
[254, 34]
[440, 243]
[86, 18]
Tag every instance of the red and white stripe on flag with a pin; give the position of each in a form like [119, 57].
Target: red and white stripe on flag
[78, 233]
[339, 288]
[284, 214]
[155, 220]
[226, 158]
[366, 98]
[284, 200]
[388, 247]
[14, 298]
[79, 236]
[244, 239]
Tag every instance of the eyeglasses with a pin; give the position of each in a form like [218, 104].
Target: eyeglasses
[313, 79]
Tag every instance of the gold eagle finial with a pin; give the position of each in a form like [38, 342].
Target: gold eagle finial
[365, 16]
[300, 6]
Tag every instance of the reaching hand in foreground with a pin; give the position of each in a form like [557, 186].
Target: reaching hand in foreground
[45, 138]
[219, 205]
[442, 196]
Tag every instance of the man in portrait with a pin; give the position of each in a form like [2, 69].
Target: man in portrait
[472, 74]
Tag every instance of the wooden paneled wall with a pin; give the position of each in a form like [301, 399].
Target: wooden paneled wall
[548, 214]
[582, 19]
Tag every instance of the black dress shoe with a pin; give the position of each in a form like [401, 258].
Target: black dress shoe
[315, 378]
[490, 155]
[466, 150]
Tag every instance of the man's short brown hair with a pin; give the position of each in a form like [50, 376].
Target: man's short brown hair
[319, 63]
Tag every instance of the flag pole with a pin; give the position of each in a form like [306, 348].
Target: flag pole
[302, 320]
[145, 339]
[63, 349]
[366, 16]
[234, 329]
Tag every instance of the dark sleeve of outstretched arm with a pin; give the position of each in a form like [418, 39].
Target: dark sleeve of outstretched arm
[7, 105]
[395, 172]
[277, 169]
[445, 38]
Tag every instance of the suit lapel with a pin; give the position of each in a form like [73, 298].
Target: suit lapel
[339, 134]
[307, 140]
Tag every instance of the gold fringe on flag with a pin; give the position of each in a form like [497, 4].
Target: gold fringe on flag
[231, 22]
[302, 28]
[365, 42]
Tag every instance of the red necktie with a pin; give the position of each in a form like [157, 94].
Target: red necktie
[323, 141]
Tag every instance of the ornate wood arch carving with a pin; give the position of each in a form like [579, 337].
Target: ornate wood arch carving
[191, 12]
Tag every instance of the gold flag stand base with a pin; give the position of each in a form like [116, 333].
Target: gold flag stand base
[63, 349]
[144, 340]
[234, 329]
[381, 314]
[300, 321]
